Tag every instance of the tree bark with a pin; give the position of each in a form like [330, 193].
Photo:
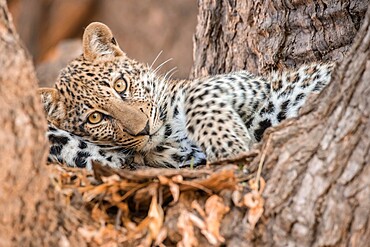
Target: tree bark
[325, 163]
[317, 166]
[21, 134]
[263, 35]
[30, 212]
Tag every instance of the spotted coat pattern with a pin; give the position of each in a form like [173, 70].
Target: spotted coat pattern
[113, 109]
[203, 119]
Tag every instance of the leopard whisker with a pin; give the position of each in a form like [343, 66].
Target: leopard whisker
[155, 59]
[171, 73]
[164, 85]
[168, 73]
[161, 65]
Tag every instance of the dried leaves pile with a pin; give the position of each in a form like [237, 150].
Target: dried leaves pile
[161, 207]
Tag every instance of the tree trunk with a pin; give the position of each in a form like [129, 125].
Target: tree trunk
[263, 35]
[317, 167]
[30, 212]
[22, 129]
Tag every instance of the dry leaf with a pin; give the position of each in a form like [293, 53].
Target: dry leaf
[156, 218]
[236, 197]
[209, 236]
[215, 210]
[162, 235]
[198, 208]
[198, 222]
[212, 216]
[255, 202]
[186, 229]
[172, 184]
[175, 191]
[125, 205]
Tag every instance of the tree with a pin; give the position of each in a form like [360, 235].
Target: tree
[21, 134]
[317, 172]
[317, 190]
[30, 214]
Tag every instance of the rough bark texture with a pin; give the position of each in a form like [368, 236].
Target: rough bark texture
[264, 35]
[317, 167]
[22, 129]
[30, 212]
[318, 193]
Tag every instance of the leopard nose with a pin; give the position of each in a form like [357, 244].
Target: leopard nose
[145, 131]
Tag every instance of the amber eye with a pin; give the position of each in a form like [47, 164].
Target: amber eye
[120, 85]
[95, 117]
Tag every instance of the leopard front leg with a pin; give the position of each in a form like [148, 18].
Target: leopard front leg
[217, 128]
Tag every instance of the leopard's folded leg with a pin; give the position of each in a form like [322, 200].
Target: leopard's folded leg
[74, 151]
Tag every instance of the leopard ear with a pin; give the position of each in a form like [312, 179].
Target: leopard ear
[98, 43]
[53, 107]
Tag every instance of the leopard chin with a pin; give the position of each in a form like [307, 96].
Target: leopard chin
[154, 140]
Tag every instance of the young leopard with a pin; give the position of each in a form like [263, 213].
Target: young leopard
[110, 108]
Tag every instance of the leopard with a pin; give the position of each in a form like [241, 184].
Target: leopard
[110, 108]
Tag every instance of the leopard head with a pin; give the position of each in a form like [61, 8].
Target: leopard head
[106, 97]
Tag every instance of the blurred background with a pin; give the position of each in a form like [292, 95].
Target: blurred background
[52, 30]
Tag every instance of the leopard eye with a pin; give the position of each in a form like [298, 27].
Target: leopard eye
[95, 117]
[120, 85]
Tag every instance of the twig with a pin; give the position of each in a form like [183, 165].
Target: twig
[262, 160]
